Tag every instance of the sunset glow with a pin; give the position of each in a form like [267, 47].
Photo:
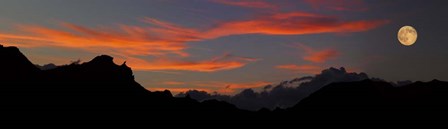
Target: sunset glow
[212, 44]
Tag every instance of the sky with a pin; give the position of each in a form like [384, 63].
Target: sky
[229, 45]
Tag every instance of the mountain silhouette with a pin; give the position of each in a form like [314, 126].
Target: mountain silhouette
[100, 93]
[283, 95]
[369, 93]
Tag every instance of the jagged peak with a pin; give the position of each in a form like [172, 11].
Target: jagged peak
[124, 64]
[103, 59]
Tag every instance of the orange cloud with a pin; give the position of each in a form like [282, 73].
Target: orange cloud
[312, 55]
[163, 39]
[321, 56]
[173, 83]
[225, 62]
[167, 38]
[318, 56]
[293, 23]
[311, 69]
[248, 3]
[127, 40]
[173, 32]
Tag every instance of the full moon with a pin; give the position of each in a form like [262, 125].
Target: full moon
[407, 35]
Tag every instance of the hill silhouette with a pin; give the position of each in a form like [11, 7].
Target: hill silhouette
[102, 93]
[378, 102]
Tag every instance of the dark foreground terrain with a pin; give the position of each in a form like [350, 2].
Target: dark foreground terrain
[101, 93]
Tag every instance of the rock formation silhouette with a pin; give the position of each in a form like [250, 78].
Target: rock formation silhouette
[98, 91]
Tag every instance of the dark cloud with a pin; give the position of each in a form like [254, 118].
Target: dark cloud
[267, 87]
[306, 78]
[283, 95]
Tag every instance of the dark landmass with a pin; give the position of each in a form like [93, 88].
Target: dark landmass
[101, 93]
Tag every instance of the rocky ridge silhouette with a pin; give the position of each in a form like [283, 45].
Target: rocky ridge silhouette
[100, 93]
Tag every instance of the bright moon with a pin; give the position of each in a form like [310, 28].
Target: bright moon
[407, 35]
